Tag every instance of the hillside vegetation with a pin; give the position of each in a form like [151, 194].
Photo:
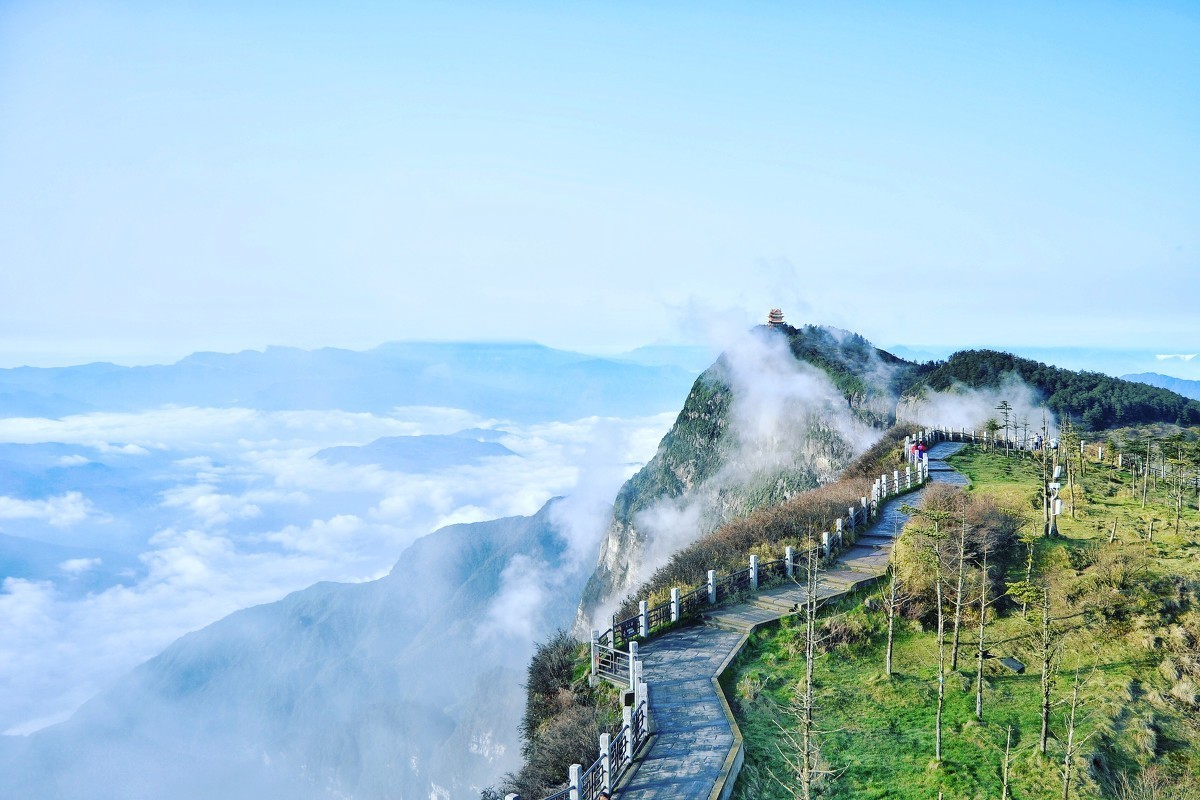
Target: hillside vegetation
[1092, 399]
[701, 457]
[767, 531]
[1114, 613]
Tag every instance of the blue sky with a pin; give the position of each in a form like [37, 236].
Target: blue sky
[187, 176]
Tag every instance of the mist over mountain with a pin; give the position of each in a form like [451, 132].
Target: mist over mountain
[407, 686]
[127, 525]
[783, 410]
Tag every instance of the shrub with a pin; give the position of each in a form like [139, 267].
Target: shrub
[770, 530]
[563, 718]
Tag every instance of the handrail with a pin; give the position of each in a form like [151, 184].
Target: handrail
[611, 661]
[611, 664]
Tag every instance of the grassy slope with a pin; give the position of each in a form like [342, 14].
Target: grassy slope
[879, 733]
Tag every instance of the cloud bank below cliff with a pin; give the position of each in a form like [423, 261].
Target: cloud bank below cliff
[228, 508]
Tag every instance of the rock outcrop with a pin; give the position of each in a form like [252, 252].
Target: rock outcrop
[782, 411]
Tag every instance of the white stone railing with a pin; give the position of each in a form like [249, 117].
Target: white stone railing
[614, 653]
[617, 752]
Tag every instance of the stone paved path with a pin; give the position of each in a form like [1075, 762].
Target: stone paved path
[693, 741]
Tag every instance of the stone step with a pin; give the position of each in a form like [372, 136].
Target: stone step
[742, 618]
[728, 624]
[837, 578]
[779, 604]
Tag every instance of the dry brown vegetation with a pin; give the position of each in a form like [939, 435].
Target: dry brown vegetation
[987, 526]
[768, 531]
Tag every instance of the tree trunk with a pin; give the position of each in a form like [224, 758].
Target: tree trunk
[941, 642]
[1045, 671]
[983, 603]
[1071, 475]
[1146, 476]
[807, 757]
[1045, 479]
[1066, 793]
[1007, 750]
[891, 609]
[958, 597]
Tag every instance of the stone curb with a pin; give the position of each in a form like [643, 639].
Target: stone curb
[723, 788]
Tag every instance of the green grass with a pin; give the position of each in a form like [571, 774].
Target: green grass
[878, 732]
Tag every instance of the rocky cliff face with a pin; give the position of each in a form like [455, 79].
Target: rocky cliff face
[784, 410]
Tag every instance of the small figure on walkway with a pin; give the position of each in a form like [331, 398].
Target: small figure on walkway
[604, 796]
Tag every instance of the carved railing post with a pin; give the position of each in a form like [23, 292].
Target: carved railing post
[712, 586]
[675, 604]
[644, 691]
[606, 762]
[754, 573]
[789, 555]
[643, 618]
[573, 777]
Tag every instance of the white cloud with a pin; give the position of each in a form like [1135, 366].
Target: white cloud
[964, 407]
[204, 430]
[250, 516]
[517, 609]
[126, 449]
[62, 511]
[210, 507]
[76, 566]
[73, 461]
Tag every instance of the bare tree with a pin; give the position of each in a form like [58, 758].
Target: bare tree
[893, 601]
[1069, 449]
[935, 537]
[800, 751]
[1029, 539]
[1045, 478]
[808, 753]
[1146, 472]
[1005, 765]
[1046, 652]
[1047, 643]
[1073, 744]
[981, 652]
[958, 592]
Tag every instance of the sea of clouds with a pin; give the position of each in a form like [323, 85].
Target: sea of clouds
[182, 515]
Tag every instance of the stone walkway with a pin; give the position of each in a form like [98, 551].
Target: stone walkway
[694, 746]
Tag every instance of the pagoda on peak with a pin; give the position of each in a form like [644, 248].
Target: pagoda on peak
[775, 318]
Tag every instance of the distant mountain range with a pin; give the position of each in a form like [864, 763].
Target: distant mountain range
[525, 382]
[1178, 385]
